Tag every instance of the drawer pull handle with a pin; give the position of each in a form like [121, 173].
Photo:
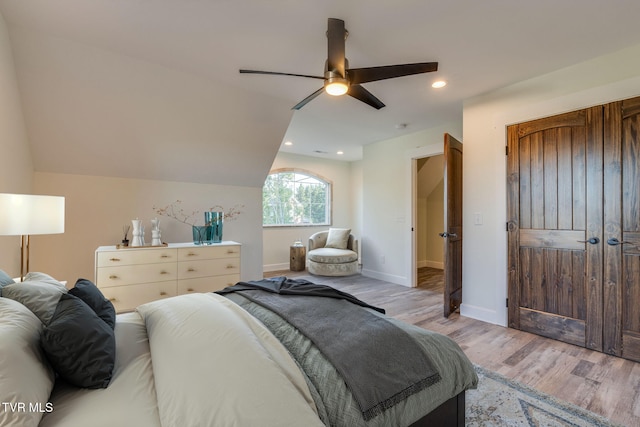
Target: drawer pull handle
[114, 259]
[163, 293]
[231, 251]
[229, 266]
[190, 290]
[164, 272]
[192, 254]
[113, 299]
[113, 276]
[164, 256]
[191, 269]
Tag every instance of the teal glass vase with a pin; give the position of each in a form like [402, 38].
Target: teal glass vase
[214, 220]
[201, 234]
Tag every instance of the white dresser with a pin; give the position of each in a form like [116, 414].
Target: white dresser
[132, 276]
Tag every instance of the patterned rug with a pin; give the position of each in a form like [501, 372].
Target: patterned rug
[499, 401]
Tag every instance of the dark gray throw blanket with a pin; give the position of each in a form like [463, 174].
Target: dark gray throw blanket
[380, 363]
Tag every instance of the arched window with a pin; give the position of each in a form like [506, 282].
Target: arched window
[295, 198]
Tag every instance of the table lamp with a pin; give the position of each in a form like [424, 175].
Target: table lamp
[25, 214]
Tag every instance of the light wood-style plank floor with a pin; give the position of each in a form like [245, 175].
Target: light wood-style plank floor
[603, 384]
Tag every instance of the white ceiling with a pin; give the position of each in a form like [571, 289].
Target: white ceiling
[158, 79]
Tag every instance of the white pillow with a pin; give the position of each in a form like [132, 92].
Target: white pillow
[26, 378]
[338, 238]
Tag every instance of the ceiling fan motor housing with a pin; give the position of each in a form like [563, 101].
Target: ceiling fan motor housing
[335, 84]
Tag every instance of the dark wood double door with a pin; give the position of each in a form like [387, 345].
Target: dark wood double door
[573, 200]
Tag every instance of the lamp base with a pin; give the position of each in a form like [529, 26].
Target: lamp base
[24, 255]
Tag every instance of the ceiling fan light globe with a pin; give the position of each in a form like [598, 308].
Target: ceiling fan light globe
[336, 88]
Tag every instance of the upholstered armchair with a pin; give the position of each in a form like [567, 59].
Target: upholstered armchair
[333, 253]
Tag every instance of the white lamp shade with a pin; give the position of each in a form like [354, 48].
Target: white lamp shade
[26, 214]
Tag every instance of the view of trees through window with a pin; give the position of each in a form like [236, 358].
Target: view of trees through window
[295, 198]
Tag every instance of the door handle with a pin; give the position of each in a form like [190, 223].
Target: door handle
[593, 241]
[615, 242]
[445, 234]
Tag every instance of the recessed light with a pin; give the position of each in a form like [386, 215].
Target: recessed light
[288, 143]
[340, 153]
[438, 84]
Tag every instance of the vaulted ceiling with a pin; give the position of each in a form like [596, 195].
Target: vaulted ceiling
[150, 88]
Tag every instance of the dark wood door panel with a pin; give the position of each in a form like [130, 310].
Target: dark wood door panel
[554, 167]
[453, 224]
[553, 281]
[572, 119]
[548, 325]
[571, 178]
[621, 262]
[559, 239]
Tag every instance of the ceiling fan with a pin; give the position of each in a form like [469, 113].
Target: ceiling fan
[339, 79]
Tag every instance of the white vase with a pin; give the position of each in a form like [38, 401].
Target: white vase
[138, 233]
[155, 232]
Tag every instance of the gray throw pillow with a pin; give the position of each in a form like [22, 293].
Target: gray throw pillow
[41, 297]
[5, 279]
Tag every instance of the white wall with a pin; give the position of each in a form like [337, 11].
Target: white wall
[608, 78]
[434, 256]
[386, 225]
[346, 179]
[98, 207]
[17, 169]
[429, 212]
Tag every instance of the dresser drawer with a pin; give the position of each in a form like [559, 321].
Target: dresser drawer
[130, 274]
[135, 256]
[208, 252]
[208, 267]
[207, 284]
[127, 298]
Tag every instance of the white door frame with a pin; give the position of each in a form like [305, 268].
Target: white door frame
[412, 156]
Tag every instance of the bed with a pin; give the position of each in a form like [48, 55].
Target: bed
[219, 359]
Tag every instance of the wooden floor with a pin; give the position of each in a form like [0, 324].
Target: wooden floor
[603, 384]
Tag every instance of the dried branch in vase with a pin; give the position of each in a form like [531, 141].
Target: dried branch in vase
[174, 210]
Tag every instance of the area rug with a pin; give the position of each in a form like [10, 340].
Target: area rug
[499, 401]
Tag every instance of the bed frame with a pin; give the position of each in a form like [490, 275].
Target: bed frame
[449, 414]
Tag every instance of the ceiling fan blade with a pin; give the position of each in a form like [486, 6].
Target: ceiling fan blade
[361, 94]
[371, 74]
[305, 101]
[276, 73]
[336, 35]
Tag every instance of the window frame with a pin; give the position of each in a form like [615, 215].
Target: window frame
[329, 202]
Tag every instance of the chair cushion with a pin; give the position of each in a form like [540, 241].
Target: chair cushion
[332, 255]
[338, 238]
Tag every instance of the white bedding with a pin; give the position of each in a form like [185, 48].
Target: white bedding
[204, 360]
[213, 365]
[216, 365]
[130, 399]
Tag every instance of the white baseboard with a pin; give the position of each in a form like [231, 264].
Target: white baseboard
[480, 313]
[398, 280]
[275, 267]
[432, 264]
